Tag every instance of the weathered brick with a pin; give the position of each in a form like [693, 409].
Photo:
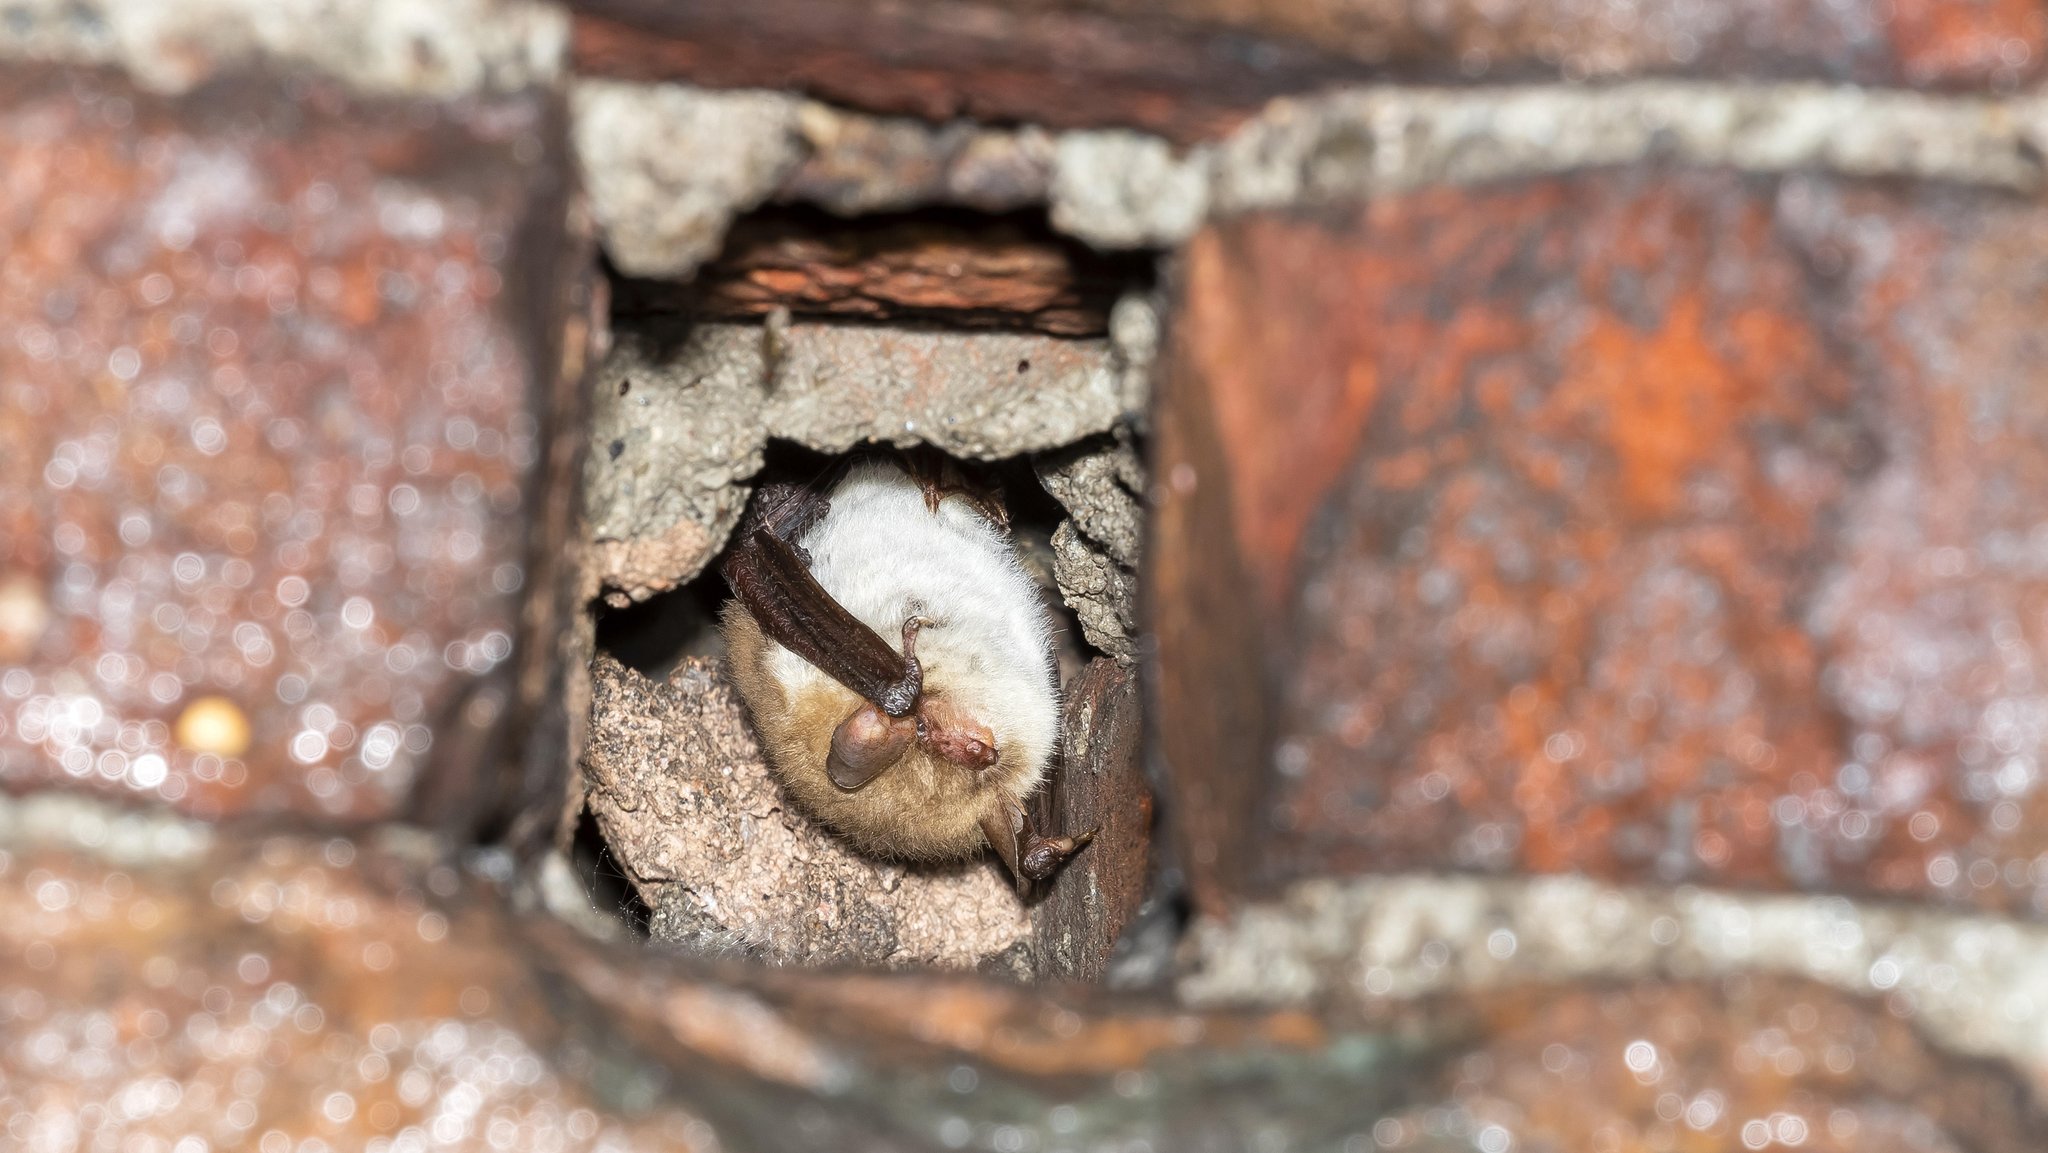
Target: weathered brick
[1738, 1064]
[1658, 526]
[1190, 69]
[955, 273]
[288, 990]
[1061, 68]
[275, 390]
[1942, 43]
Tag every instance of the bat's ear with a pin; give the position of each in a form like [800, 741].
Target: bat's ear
[865, 743]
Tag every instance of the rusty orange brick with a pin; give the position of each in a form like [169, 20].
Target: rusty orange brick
[274, 394]
[1667, 527]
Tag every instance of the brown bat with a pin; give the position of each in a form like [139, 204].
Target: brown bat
[898, 664]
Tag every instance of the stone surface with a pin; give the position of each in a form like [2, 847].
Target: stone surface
[1134, 339]
[943, 270]
[675, 436]
[1101, 484]
[441, 49]
[1663, 527]
[278, 377]
[668, 167]
[1121, 189]
[980, 396]
[1095, 552]
[1339, 146]
[859, 164]
[702, 830]
[1102, 593]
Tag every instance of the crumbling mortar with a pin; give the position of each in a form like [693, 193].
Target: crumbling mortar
[1121, 189]
[1975, 983]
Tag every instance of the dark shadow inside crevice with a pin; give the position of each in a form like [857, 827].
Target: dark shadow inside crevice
[611, 891]
[654, 635]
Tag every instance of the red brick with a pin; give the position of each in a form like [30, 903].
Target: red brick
[1191, 69]
[273, 392]
[316, 991]
[1952, 44]
[1940, 43]
[1744, 1063]
[1598, 524]
[938, 61]
[978, 275]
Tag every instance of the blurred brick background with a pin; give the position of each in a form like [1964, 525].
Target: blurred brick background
[1595, 599]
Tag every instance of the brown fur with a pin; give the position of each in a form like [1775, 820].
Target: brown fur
[920, 808]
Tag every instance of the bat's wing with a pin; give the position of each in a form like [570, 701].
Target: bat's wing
[788, 510]
[772, 577]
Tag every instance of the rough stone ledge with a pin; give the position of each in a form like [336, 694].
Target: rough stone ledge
[1387, 139]
[706, 836]
[978, 395]
[1978, 985]
[1373, 141]
[1124, 189]
[123, 836]
[393, 47]
[681, 418]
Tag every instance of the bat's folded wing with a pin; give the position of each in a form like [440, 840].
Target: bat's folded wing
[775, 584]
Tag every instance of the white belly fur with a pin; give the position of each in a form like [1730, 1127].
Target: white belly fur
[883, 554]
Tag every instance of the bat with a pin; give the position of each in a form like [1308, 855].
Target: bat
[897, 663]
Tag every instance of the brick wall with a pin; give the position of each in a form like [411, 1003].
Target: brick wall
[1592, 609]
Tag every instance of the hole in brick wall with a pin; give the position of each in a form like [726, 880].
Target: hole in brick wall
[956, 274]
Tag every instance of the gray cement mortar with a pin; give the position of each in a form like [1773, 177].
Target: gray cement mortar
[676, 433]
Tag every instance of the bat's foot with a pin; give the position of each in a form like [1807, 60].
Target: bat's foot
[1030, 857]
[939, 477]
[1043, 856]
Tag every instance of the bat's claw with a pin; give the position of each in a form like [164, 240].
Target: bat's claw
[1043, 856]
[911, 627]
[900, 698]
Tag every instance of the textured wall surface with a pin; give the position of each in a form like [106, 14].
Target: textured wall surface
[1677, 527]
[273, 420]
[1565, 568]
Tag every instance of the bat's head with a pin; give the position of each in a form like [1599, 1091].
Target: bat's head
[915, 784]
